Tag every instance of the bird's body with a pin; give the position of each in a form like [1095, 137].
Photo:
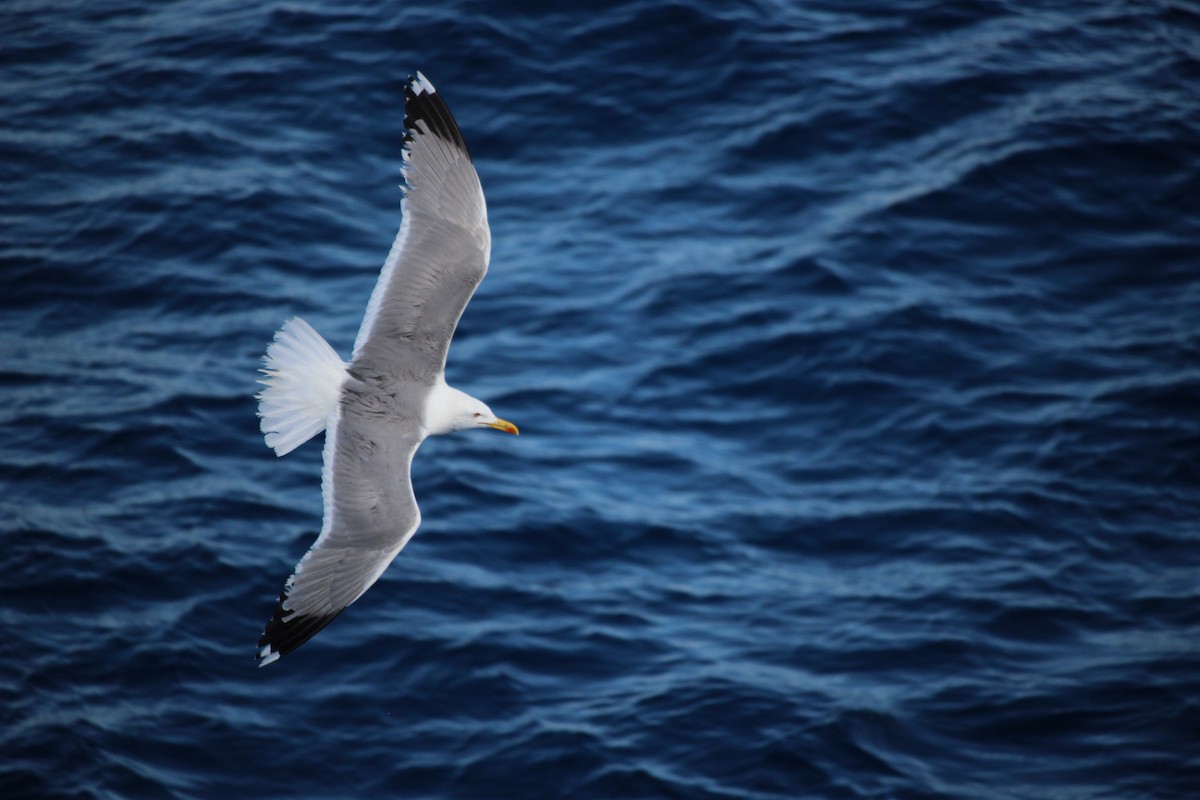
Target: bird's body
[378, 408]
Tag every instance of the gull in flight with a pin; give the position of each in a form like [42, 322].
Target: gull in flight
[378, 408]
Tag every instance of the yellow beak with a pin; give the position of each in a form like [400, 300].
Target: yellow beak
[504, 425]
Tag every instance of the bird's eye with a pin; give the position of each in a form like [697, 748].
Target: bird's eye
[478, 414]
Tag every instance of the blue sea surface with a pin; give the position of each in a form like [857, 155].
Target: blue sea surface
[855, 348]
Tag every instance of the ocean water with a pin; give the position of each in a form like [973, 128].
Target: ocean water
[855, 349]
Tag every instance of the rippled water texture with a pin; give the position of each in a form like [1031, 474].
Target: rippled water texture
[854, 348]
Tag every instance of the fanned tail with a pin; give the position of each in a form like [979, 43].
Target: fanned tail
[304, 381]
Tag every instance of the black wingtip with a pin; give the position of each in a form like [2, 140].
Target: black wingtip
[422, 102]
[281, 636]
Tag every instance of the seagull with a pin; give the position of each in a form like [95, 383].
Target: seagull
[378, 408]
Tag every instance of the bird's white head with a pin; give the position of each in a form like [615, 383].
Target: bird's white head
[448, 410]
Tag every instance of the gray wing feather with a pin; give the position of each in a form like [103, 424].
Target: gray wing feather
[370, 514]
[439, 256]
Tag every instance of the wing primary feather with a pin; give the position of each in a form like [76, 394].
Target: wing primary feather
[429, 106]
[282, 636]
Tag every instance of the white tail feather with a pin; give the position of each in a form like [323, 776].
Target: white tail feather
[304, 381]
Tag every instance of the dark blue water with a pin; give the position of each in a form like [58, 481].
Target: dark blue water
[855, 348]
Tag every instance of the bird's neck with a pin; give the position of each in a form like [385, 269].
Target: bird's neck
[442, 407]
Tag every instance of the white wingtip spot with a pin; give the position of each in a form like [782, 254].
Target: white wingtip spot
[423, 84]
[267, 656]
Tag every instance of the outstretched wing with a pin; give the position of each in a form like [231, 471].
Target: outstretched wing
[439, 255]
[370, 514]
